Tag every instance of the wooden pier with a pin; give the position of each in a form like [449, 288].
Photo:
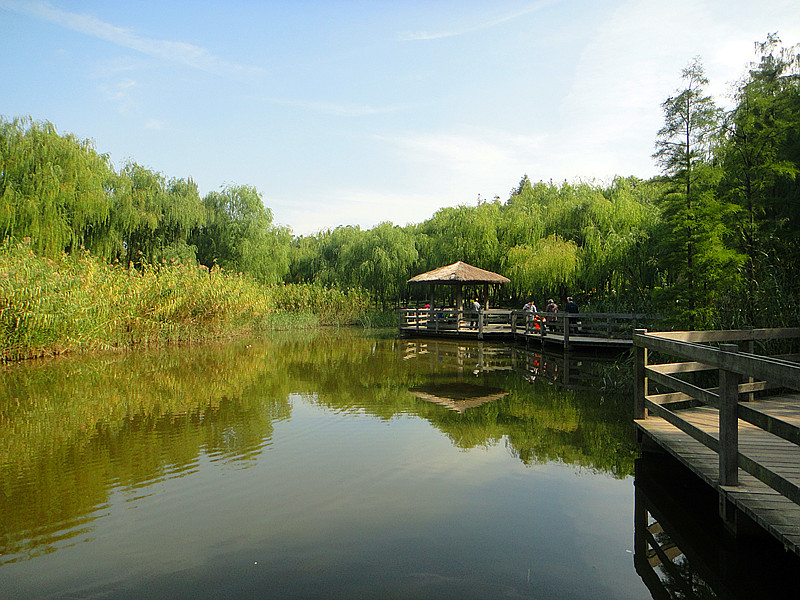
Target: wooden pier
[579, 330]
[731, 416]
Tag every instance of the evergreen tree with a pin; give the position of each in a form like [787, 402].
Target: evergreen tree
[699, 265]
[761, 161]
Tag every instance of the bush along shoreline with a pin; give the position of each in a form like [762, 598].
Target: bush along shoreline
[79, 302]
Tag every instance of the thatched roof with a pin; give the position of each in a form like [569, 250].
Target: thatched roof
[457, 273]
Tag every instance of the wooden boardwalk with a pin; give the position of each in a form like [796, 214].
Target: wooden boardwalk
[584, 330]
[745, 447]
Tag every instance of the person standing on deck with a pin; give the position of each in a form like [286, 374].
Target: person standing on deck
[572, 308]
[476, 307]
[551, 307]
[531, 309]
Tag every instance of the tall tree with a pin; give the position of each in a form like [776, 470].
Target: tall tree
[699, 264]
[239, 235]
[155, 216]
[761, 161]
[53, 188]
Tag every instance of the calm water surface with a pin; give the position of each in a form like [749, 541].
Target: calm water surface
[328, 465]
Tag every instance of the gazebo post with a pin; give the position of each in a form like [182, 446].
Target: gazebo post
[459, 304]
[486, 295]
[430, 303]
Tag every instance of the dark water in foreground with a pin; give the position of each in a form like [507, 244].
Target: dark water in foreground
[330, 465]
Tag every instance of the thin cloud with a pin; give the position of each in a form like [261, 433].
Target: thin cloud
[179, 52]
[482, 152]
[409, 36]
[341, 110]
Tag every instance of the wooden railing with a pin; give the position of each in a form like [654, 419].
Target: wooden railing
[757, 373]
[594, 325]
[614, 326]
[439, 319]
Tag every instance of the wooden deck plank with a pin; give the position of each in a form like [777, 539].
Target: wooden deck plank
[772, 511]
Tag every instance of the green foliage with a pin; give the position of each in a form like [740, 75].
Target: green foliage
[464, 233]
[700, 268]
[155, 216]
[49, 306]
[53, 189]
[239, 235]
[761, 161]
[551, 265]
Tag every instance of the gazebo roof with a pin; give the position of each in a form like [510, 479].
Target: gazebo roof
[459, 273]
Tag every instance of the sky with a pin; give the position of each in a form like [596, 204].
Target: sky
[355, 113]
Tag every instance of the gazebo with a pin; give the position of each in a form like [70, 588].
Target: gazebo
[458, 275]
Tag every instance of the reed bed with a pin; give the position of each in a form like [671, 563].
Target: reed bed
[82, 303]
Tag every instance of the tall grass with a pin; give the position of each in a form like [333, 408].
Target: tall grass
[81, 303]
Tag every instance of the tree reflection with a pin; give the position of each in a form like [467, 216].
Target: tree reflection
[73, 430]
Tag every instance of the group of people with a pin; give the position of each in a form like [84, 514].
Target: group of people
[551, 307]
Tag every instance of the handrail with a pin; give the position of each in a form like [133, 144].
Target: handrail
[731, 364]
[519, 322]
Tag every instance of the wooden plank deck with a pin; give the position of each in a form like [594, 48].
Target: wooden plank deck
[768, 508]
[504, 332]
[587, 330]
[747, 449]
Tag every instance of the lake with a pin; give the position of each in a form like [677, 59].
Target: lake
[333, 464]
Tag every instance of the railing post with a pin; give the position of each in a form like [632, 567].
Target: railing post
[566, 330]
[750, 347]
[480, 324]
[513, 324]
[728, 422]
[639, 378]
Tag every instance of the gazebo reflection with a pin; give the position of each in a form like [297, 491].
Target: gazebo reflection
[458, 396]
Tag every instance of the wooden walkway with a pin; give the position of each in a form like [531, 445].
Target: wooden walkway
[583, 330]
[745, 447]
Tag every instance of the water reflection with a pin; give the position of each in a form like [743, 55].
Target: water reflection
[458, 397]
[567, 370]
[72, 430]
[681, 550]
[78, 434]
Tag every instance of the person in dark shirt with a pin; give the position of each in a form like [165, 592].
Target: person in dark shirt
[572, 308]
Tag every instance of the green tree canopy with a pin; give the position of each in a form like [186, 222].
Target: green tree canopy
[52, 188]
[239, 235]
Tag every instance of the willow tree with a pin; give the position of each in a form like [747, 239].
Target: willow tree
[239, 235]
[381, 260]
[155, 216]
[53, 188]
[466, 233]
[331, 244]
[700, 266]
[522, 218]
[548, 268]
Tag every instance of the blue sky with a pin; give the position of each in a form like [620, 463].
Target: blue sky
[353, 113]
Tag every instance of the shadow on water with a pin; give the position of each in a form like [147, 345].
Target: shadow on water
[682, 551]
